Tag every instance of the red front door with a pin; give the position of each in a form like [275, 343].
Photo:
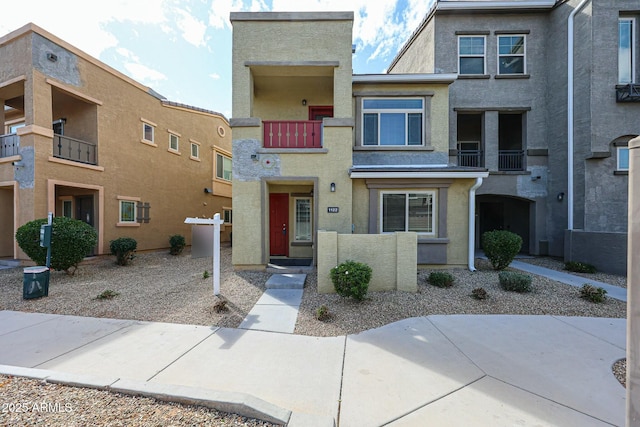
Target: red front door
[279, 223]
[319, 112]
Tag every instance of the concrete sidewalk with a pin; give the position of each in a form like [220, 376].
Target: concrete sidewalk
[497, 370]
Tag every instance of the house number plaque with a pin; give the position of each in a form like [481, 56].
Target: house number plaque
[332, 209]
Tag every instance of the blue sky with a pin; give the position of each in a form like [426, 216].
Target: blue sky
[182, 48]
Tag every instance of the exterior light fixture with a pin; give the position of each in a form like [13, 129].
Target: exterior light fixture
[207, 191]
[304, 102]
[560, 196]
[333, 187]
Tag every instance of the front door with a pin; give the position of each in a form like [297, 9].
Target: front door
[319, 112]
[84, 212]
[279, 224]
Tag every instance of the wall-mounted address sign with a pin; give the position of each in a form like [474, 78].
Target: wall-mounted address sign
[332, 209]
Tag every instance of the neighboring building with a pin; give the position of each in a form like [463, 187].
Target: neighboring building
[85, 141]
[318, 150]
[509, 112]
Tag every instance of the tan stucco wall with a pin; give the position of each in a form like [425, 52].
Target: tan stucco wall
[392, 258]
[248, 223]
[106, 108]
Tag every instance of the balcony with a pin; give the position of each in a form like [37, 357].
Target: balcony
[9, 145]
[74, 150]
[470, 158]
[511, 160]
[628, 93]
[292, 134]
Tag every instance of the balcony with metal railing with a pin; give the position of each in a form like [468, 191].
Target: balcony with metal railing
[628, 93]
[292, 134]
[9, 145]
[470, 158]
[511, 160]
[75, 150]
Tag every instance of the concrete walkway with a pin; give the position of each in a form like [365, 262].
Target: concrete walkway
[496, 370]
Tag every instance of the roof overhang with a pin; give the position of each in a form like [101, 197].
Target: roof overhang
[489, 5]
[416, 172]
[447, 78]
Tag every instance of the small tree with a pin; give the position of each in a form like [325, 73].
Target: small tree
[71, 241]
[351, 279]
[177, 243]
[501, 247]
[124, 249]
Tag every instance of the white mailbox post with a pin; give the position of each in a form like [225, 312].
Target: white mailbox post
[216, 222]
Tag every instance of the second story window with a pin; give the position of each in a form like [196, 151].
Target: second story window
[147, 132]
[392, 121]
[471, 55]
[223, 167]
[623, 159]
[174, 141]
[626, 50]
[511, 54]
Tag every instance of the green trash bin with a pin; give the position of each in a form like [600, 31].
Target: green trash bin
[36, 282]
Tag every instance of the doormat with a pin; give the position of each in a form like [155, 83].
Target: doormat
[291, 262]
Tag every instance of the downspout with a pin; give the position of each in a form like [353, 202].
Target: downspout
[472, 223]
[570, 113]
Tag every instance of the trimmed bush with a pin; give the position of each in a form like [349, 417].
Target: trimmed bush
[592, 293]
[579, 267]
[479, 293]
[177, 242]
[124, 249]
[501, 246]
[71, 241]
[441, 279]
[351, 279]
[516, 282]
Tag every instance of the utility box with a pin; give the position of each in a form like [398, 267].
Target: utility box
[36, 282]
[45, 235]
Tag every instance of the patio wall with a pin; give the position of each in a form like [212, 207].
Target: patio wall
[392, 257]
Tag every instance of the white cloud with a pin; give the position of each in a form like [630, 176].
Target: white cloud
[220, 10]
[193, 30]
[215, 76]
[144, 74]
[126, 53]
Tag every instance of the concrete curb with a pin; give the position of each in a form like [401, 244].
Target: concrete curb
[231, 402]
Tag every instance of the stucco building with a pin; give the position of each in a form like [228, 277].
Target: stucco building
[82, 140]
[331, 166]
[558, 168]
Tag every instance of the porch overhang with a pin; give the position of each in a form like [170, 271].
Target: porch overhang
[416, 172]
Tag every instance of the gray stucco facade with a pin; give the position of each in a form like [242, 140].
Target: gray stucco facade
[532, 200]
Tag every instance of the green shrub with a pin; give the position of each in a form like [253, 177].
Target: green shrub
[479, 293]
[592, 293]
[322, 313]
[351, 279]
[177, 242]
[501, 246]
[107, 294]
[71, 241]
[124, 249]
[441, 279]
[579, 267]
[516, 282]
[206, 274]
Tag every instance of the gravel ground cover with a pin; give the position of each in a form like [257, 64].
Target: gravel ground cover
[160, 287]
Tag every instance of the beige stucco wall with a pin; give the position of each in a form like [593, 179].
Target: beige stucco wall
[248, 224]
[392, 258]
[106, 108]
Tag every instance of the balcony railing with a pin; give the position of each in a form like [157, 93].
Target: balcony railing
[292, 134]
[9, 145]
[470, 158]
[511, 160]
[628, 93]
[74, 149]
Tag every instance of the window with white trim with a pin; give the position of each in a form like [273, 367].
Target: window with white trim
[227, 215]
[407, 211]
[195, 150]
[471, 55]
[147, 132]
[622, 159]
[174, 142]
[626, 50]
[512, 54]
[223, 167]
[127, 211]
[302, 219]
[392, 121]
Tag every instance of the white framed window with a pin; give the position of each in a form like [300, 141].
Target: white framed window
[303, 220]
[512, 54]
[174, 142]
[626, 50]
[471, 54]
[223, 167]
[227, 214]
[407, 211]
[195, 150]
[622, 159]
[127, 211]
[13, 128]
[392, 121]
[148, 132]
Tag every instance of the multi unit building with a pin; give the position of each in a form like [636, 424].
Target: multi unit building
[547, 99]
[82, 140]
[329, 166]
